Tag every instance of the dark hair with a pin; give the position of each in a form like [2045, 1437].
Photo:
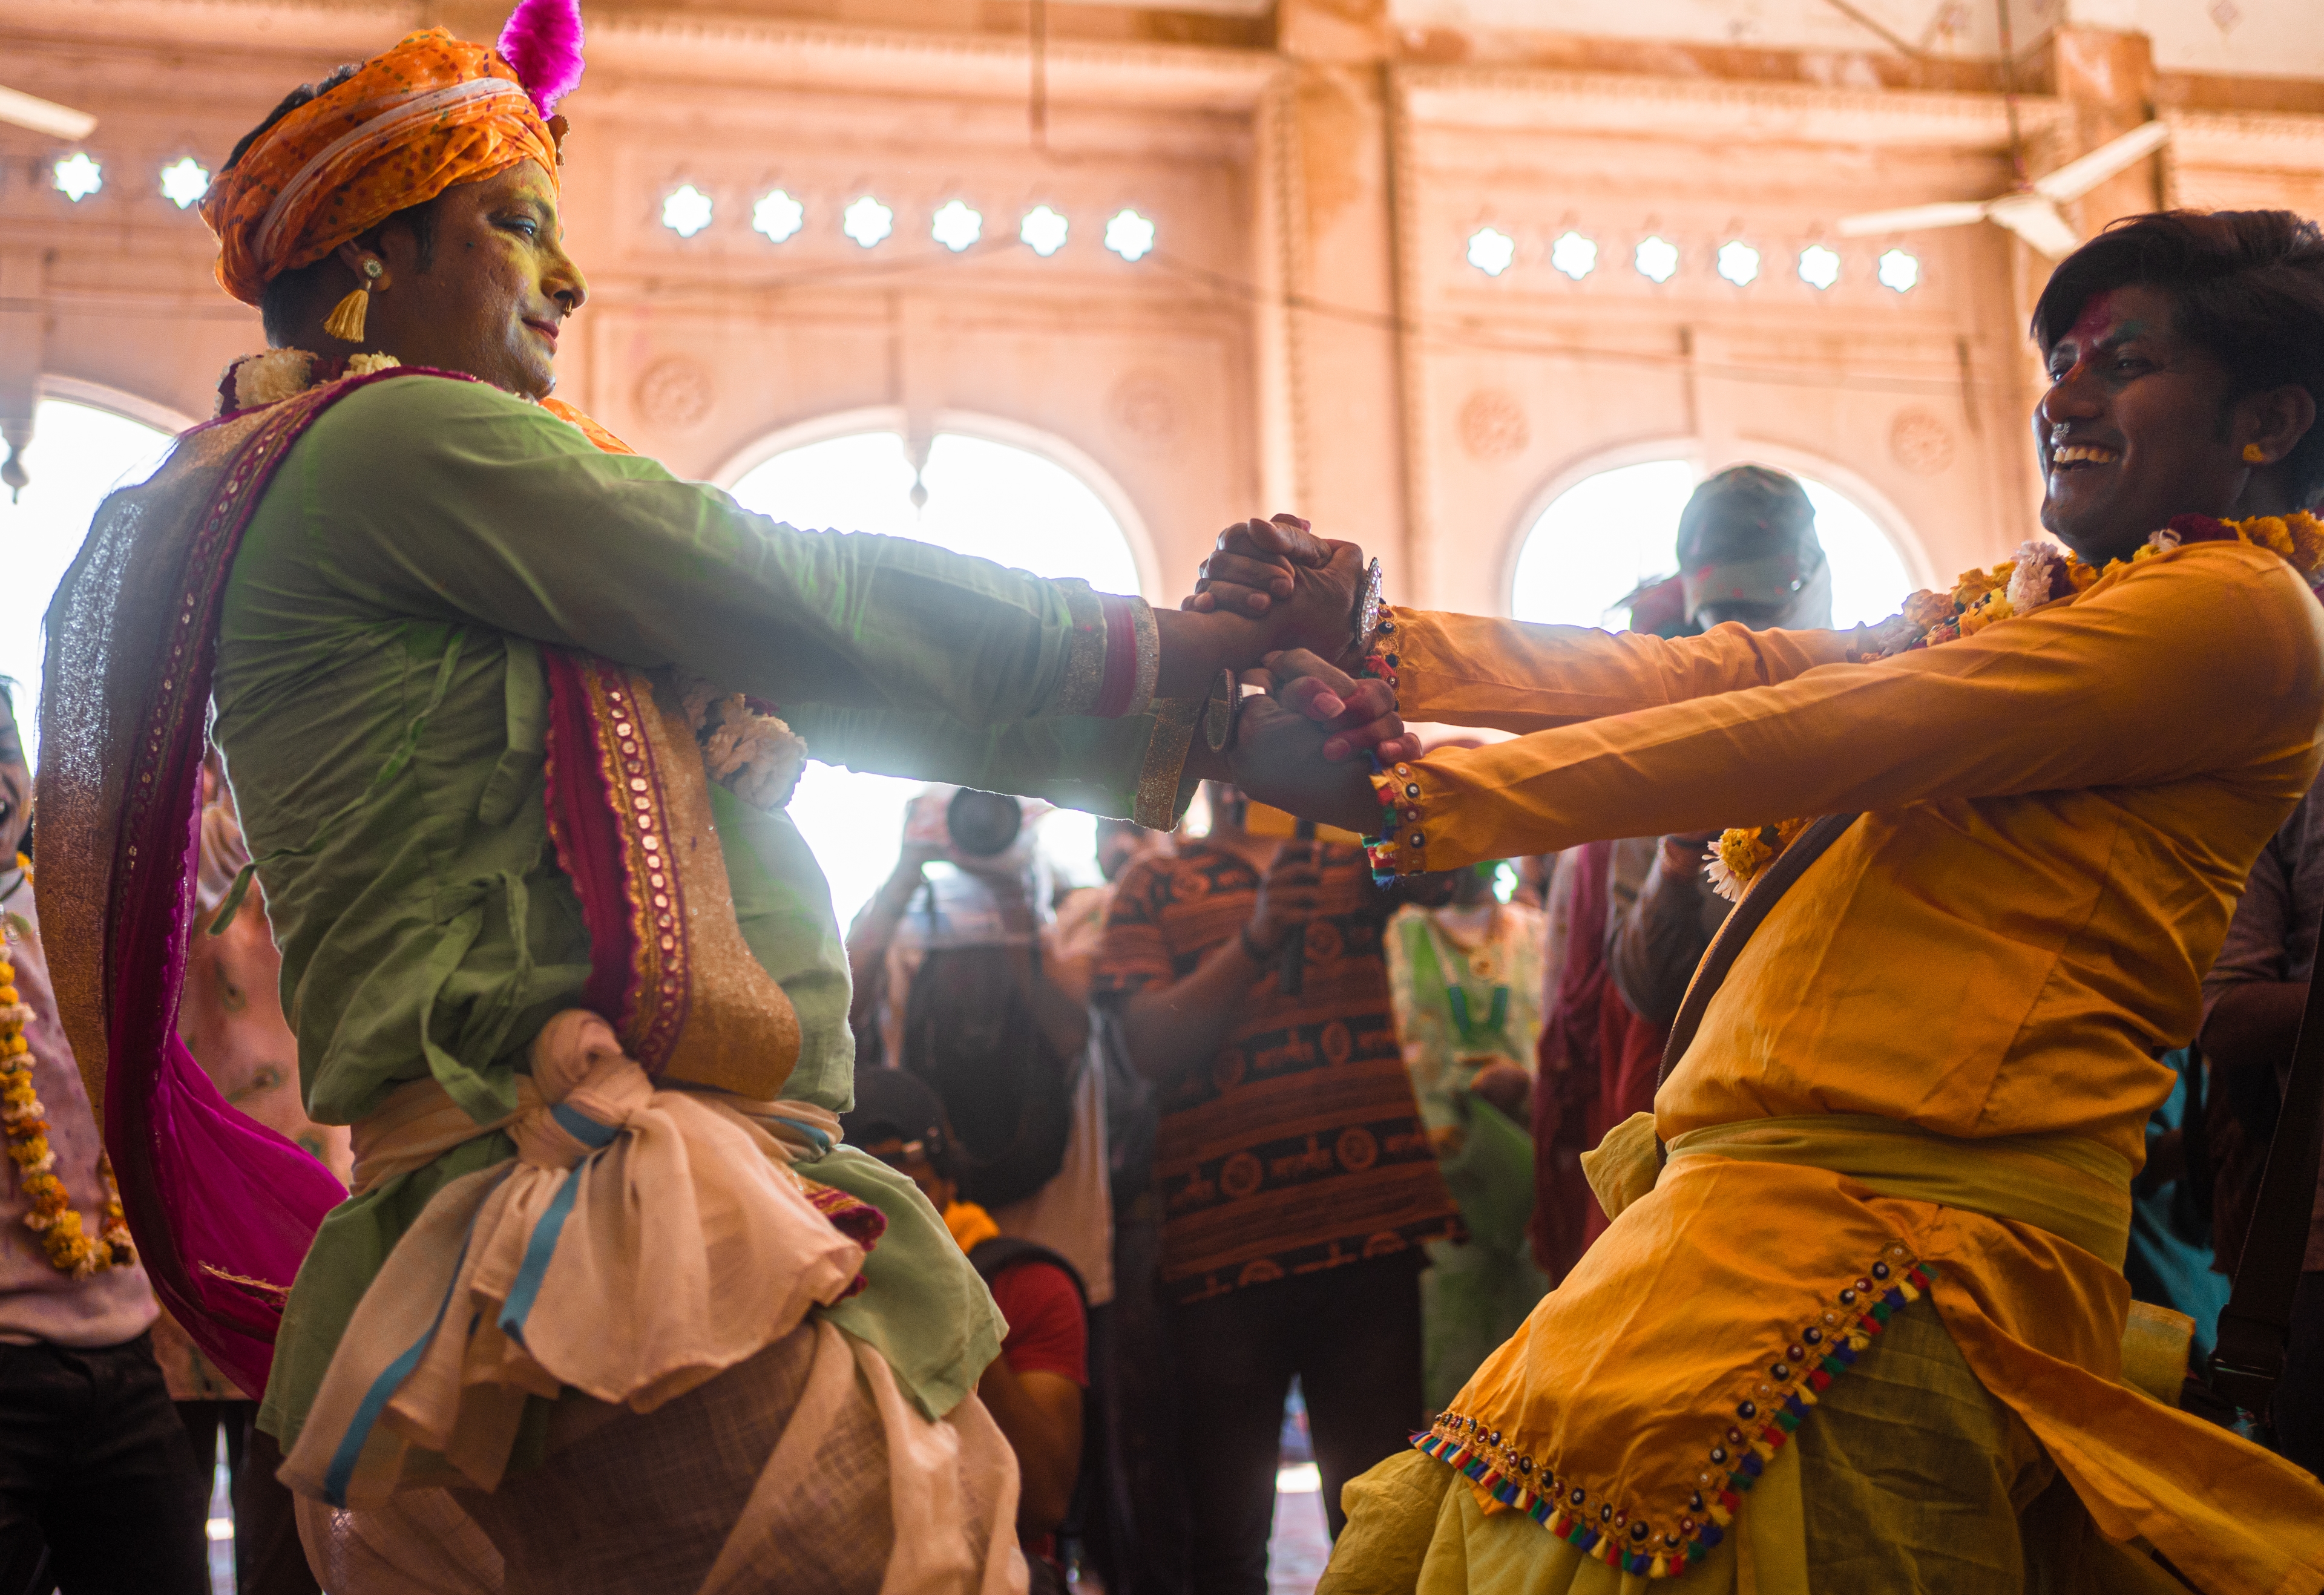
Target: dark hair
[2247, 285]
[287, 293]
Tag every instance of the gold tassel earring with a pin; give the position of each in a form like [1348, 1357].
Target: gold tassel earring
[346, 321]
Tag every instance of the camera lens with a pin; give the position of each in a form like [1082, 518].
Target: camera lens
[982, 824]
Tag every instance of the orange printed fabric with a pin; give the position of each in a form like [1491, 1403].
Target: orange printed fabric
[571, 414]
[1298, 1145]
[431, 113]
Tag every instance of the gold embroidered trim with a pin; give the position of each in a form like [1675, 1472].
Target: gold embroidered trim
[1150, 656]
[1162, 790]
[1085, 677]
[659, 972]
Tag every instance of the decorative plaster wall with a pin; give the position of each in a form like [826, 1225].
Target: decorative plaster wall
[1308, 331]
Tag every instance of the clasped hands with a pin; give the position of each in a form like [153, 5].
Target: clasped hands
[1300, 743]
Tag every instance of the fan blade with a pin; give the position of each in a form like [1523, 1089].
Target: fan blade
[44, 115]
[2078, 177]
[1947, 213]
[2035, 219]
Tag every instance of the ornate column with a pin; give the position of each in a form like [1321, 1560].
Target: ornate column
[1328, 136]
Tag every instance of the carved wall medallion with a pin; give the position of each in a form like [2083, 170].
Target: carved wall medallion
[676, 392]
[1144, 408]
[1493, 425]
[1921, 443]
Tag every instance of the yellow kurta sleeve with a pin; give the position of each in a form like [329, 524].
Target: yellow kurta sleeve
[1471, 670]
[2172, 669]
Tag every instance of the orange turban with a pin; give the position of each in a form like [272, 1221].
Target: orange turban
[428, 113]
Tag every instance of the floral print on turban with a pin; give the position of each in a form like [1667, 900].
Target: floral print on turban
[430, 113]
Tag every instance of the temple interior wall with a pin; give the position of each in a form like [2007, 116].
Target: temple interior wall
[1308, 331]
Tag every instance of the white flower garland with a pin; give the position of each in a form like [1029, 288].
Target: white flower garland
[282, 373]
[757, 757]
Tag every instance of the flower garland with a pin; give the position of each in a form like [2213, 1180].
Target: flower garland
[277, 375]
[750, 753]
[2043, 575]
[50, 1213]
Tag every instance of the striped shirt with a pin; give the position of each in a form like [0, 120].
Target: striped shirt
[1299, 1148]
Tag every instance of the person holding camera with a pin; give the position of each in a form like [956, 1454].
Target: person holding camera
[1298, 1186]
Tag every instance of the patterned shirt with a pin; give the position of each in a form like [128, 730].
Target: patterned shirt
[1299, 1148]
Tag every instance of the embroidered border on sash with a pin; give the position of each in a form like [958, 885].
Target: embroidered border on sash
[654, 1010]
[1664, 1545]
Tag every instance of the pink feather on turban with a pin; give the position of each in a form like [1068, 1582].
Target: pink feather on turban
[542, 41]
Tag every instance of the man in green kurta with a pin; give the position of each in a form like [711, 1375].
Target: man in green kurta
[421, 552]
[381, 704]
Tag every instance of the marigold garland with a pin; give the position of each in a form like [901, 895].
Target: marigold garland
[2042, 576]
[50, 1213]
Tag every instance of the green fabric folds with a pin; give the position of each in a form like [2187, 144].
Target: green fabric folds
[380, 701]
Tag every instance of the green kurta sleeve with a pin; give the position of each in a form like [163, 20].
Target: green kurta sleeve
[1131, 768]
[452, 500]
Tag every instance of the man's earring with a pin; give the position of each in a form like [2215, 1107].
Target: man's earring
[346, 322]
[2253, 454]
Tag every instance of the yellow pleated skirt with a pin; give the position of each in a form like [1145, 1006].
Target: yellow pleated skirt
[1908, 1478]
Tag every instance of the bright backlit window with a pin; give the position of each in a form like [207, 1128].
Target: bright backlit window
[1043, 231]
[987, 499]
[78, 454]
[185, 181]
[1606, 535]
[1128, 235]
[867, 221]
[686, 210]
[1657, 259]
[1575, 254]
[1739, 262]
[778, 215]
[1490, 251]
[1899, 271]
[956, 227]
[77, 177]
[1818, 266]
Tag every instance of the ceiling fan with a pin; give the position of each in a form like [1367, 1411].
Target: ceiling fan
[44, 115]
[2031, 211]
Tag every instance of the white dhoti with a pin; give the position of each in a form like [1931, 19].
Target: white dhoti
[648, 1261]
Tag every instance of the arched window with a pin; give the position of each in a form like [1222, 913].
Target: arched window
[1606, 534]
[976, 496]
[78, 454]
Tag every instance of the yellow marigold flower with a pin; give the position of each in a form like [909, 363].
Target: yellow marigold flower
[1972, 585]
[2269, 533]
[2306, 541]
[1925, 609]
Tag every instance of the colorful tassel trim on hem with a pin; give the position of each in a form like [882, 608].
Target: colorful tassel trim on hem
[1764, 1419]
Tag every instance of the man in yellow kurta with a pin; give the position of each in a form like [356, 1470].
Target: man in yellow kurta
[1864, 1329]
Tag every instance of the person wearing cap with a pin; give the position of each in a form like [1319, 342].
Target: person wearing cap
[1034, 1388]
[497, 700]
[1636, 911]
[1747, 554]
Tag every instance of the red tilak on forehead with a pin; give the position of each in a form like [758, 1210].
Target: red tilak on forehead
[2098, 315]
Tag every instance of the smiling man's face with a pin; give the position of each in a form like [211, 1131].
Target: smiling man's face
[494, 289]
[2134, 429]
